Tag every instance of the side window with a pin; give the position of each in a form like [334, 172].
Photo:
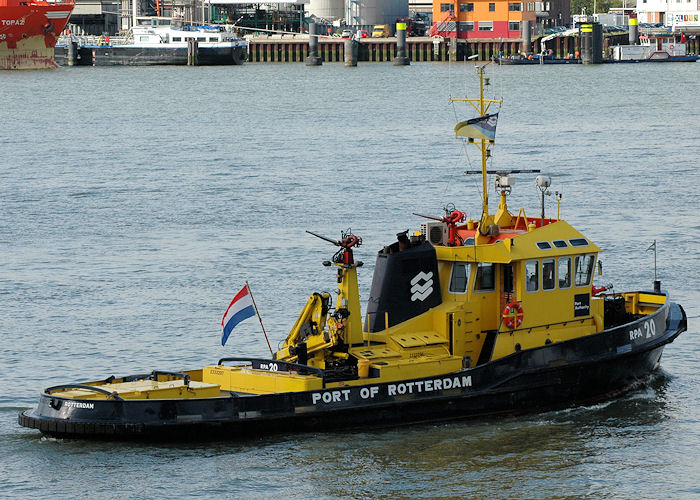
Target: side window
[583, 265]
[485, 277]
[548, 274]
[565, 272]
[459, 278]
[531, 275]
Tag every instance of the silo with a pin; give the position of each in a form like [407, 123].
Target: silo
[326, 9]
[371, 12]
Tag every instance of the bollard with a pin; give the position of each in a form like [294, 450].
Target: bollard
[527, 39]
[192, 52]
[313, 59]
[633, 24]
[72, 53]
[350, 49]
[591, 43]
[401, 59]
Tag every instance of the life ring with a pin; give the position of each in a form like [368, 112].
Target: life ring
[513, 315]
[670, 46]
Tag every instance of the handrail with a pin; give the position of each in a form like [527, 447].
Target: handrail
[84, 387]
[184, 376]
[517, 221]
[278, 364]
[543, 325]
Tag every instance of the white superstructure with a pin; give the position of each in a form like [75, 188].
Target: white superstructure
[159, 31]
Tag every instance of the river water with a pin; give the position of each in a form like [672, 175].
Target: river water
[134, 202]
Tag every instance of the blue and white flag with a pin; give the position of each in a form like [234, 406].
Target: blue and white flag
[483, 127]
[240, 308]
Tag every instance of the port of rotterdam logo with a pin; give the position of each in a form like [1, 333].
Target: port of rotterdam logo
[421, 291]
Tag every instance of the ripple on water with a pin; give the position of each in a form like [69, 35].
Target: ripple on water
[122, 247]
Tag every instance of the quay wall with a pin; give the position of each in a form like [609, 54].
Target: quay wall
[419, 49]
[375, 50]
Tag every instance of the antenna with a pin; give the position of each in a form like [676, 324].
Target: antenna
[543, 182]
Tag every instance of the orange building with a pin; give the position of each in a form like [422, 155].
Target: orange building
[468, 19]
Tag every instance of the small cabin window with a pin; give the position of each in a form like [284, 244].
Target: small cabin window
[468, 241]
[560, 243]
[485, 277]
[548, 274]
[213, 39]
[201, 39]
[583, 269]
[578, 242]
[143, 38]
[177, 39]
[531, 275]
[543, 245]
[459, 278]
[564, 272]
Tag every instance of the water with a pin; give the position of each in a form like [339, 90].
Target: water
[135, 201]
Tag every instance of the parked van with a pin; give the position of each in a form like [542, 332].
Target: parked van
[380, 31]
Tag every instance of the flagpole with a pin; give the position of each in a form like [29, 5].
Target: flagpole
[259, 318]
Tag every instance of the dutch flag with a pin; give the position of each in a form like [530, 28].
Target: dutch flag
[240, 308]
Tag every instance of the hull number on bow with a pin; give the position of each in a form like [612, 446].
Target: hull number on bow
[647, 330]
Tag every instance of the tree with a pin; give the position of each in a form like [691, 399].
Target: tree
[601, 6]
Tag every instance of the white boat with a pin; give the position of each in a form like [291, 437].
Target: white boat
[652, 48]
[164, 40]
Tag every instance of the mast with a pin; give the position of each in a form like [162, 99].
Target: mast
[482, 106]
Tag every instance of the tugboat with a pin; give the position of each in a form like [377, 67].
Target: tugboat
[465, 318]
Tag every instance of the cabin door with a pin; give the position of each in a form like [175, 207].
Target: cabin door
[507, 285]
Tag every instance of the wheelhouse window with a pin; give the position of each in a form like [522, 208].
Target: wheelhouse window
[485, 277]
[532, 279]
[544, 245]
[564, 272]
[583, 265]
[466, 7]
[578, 242]
[560, 243]
[548, 274]
[459, 277]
